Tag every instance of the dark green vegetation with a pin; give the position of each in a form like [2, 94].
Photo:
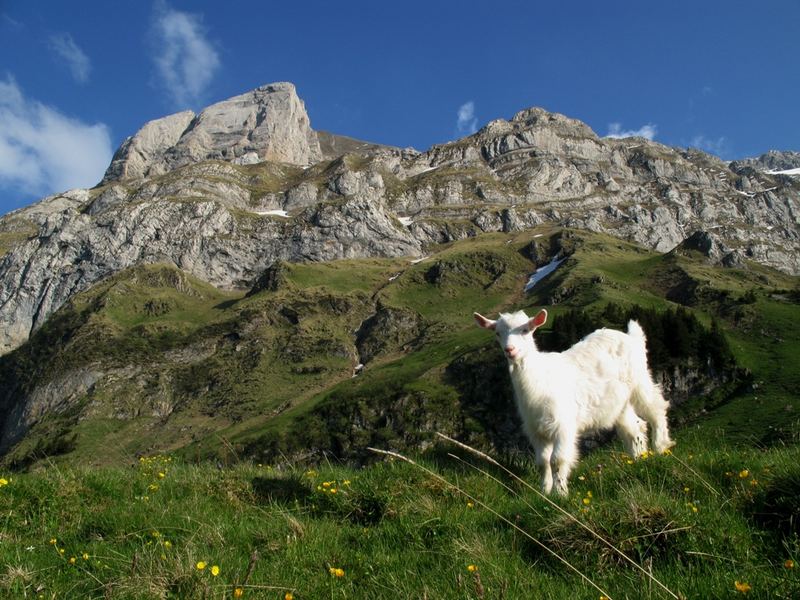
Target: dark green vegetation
[152, 360]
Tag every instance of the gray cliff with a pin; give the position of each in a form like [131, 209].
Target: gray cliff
[226, 193]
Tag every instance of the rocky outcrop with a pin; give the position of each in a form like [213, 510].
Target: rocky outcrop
[774, 160]
[227, 193]
[268, 123]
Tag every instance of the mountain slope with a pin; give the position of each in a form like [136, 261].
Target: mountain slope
[183, 191]
[154, 360]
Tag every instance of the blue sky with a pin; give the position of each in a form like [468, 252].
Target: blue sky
[76, 78]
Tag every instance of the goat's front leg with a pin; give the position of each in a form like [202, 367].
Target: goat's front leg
[565, 454]
[544, 449]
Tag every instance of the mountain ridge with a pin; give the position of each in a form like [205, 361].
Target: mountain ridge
[212, 206]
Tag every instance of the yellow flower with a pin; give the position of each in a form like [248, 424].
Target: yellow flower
[667, 452]
[3, 481]
[629, 461]
[162, 475]
[332, 490]
[589, 494]
[472, 568]
[72, 560]
[238, 592]
[152, 487]
[326, 484]
[167, 544]
[85, 556]
[587, 501]
[470, 504]
[581, 478]
[744, 473]
[201, 565]
[754, 482]
[336, 572]
[288, 596]
[215, 570]
[686, 490]
[742, 586]
[604, 597]
[53, 541]
[788, 563]
[61, 551]
[346, 482]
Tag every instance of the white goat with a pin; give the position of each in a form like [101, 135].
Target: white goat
[601, 382]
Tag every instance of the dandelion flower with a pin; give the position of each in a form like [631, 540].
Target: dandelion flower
[470, 504]
[326, 484]
[161, 475]
[742, 586]
[589, 494]
[85, 556]
[288, 596]
[53, 541]
[587, 501]
[238, 592]
[61, 551]
[346, 482]
[472, 568]
[215, 570]
[686, 490]
[167, 544]
[744, 474]
[788, 564]
[72, 560]
[753, 482]
[629, 461]
[201, 565]
[3, 481]
[332, 490]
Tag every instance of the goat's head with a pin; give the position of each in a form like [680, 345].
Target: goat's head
[514, 332]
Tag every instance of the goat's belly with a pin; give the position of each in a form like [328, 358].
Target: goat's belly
[602, 409]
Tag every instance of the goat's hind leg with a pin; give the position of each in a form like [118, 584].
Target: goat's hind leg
[544, 449]
[633, 432]
[651, 405]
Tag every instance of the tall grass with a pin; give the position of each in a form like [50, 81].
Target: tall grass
[452, 525]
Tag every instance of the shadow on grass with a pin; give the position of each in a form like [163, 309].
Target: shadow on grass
[274, 489]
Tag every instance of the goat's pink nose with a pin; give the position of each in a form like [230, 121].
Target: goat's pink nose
[510, 349]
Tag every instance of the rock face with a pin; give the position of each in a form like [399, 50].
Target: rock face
[268, 123]
[247, 182]
[774, 160]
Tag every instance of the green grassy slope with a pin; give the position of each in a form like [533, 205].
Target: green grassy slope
[182, 366]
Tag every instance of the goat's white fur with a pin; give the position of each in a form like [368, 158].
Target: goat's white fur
[601, 382]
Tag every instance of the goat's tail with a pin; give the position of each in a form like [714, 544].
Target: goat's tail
[639, 342]
[635, 330]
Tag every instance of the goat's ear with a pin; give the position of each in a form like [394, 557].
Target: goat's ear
[483, 321]
[538, 320]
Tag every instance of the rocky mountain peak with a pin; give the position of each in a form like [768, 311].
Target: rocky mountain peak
[267, 123]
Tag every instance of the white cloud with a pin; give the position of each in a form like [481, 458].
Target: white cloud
[44, 151]
[467, 123]
[76, 59]
[646, 131]
[185, 60]
[718, 146]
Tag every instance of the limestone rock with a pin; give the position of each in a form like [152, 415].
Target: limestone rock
[267, 123]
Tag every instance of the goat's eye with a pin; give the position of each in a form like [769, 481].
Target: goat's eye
[525, 331]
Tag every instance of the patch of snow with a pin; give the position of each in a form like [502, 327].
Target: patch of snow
[768, 190]
[542, 272]
[418, 260]
[277, 213]
[393, 277]
[538, 235]
[405, 220]
[429, 169]
[785, 172]
[748, 194]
